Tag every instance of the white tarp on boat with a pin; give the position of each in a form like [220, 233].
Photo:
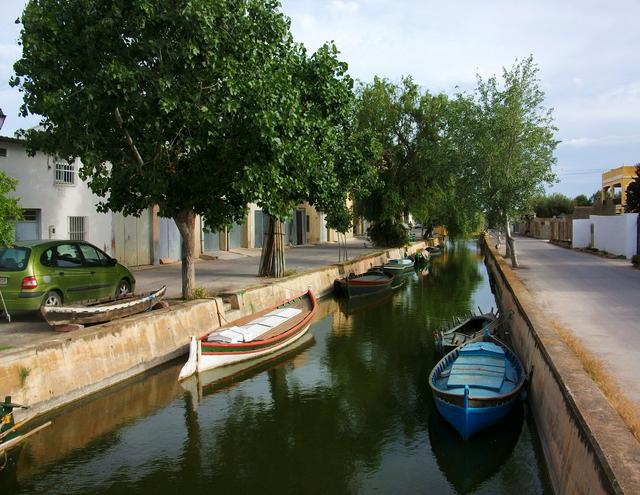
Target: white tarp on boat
[252, 330]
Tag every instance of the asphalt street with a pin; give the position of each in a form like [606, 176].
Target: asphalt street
[597, 299]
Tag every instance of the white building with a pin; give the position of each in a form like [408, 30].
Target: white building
[58, 204]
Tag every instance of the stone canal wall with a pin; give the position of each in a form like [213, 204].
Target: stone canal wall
[587, 447]
[54, 373]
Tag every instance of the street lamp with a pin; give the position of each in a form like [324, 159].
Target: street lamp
[2, 117]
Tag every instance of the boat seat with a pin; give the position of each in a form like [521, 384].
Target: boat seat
[478, 365]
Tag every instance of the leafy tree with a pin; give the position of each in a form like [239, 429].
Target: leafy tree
[516, 144]
[198, 106]
[329, 158]
[406, 123]
[596, 197]
[582, 200]
[10, 211]
[633, 194]
[551, 206]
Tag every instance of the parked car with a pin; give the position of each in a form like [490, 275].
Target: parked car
[51, 273]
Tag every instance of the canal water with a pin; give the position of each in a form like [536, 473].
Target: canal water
[347, 411]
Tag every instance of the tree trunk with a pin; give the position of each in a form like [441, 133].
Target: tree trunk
[272, 257]
[511, 244]
[186, 223]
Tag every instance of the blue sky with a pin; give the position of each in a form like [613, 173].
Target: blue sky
[588, 53]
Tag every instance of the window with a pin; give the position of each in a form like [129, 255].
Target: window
[68, 256]
[77, 228]
[3, 152]
[65, 174]
[28, 229]
[14, 259]
[92, 257]
[47, 258]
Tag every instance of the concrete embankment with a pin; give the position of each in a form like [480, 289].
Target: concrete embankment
[587, 446]
[54, 373]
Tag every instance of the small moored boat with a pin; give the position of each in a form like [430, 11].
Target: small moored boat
[362, 285]
[263, 333]
[465, 329]
[100, 313]
[9, 436]
[398, 265]
[476, 385]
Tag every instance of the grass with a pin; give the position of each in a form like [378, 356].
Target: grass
[4, 347]
[289, 272]
[625, 407]
[199, 293]
[24, 374]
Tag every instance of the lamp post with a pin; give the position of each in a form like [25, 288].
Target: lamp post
[2, 117]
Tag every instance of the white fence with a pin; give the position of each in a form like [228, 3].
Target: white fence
[616, 234]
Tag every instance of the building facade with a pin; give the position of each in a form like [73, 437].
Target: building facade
[58, 204]
[615, 183]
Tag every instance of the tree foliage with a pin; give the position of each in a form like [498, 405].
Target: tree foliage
[553, 205]
[406, 123]
[10, 210]
[516, 143]
[198, 106]
[633, 194]
[582, 200]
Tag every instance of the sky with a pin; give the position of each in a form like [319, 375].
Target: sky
[588, 53]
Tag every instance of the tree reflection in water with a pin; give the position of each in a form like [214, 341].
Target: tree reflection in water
[348, 413]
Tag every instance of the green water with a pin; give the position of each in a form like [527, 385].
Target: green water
[348, 411]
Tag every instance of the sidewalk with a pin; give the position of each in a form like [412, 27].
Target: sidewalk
[596, 299]
[231, 271]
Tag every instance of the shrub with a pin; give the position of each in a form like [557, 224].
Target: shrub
[388, 234]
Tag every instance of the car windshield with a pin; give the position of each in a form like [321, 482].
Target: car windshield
[14, 259]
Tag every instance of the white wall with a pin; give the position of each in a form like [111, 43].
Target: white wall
[581, 233]
[36, 189]
[616, 234]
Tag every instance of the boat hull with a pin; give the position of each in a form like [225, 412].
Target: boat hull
[448, 340]
[469, 421]
[207, 362]
[205, 355]
[101, 313]
[474, 397]
[363, 285]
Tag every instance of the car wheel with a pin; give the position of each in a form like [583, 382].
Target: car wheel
[52, 298]
[124, 287]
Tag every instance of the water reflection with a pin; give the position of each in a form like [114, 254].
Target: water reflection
[349, 411]
[467, 464]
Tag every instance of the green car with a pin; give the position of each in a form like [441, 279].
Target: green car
[51, 273]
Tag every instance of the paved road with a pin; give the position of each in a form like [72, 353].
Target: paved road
[240, 268]
[597, 299]
[231, 271]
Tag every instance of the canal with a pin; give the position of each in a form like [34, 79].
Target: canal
[348, 411]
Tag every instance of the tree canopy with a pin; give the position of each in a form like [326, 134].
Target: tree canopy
[633, 194]
[553, 205]
[582, 200]
[10, 210]
[515, 143]
[197, 106]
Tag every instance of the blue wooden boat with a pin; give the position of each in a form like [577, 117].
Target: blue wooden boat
[477, 384]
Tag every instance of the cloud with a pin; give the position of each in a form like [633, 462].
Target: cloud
[582, 142]
[341, 6]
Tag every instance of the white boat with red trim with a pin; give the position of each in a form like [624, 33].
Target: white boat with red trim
[256, 335]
